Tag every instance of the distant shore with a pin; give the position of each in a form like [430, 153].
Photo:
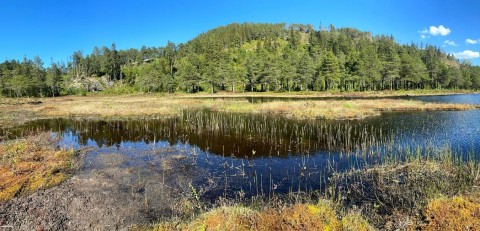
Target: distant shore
[352, 106]
[317, 94]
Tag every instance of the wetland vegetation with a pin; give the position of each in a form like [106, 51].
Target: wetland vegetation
[194, 163]
[14, 111]
[306, 129]
[31, 163]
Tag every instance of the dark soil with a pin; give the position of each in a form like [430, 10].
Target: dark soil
[106, 194]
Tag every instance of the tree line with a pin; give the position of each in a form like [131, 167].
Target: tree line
[249, 57]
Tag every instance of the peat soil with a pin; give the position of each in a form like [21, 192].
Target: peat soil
[107, 193]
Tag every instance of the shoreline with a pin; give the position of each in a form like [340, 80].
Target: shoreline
[320, 95]
[18, 111]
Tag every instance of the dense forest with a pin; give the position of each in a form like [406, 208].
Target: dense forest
[248, 57]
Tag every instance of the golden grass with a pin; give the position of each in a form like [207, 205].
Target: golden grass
[32, 163]
[19, 110]
[333, 109]
[404, 195]
[457, 213]
[321, 216]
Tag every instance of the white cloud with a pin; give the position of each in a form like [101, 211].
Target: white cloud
[451, 43]
[466, 54]
[434, 31]
[472, 41]
[422, 36]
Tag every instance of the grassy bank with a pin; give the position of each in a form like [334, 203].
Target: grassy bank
[443, 213]
[32, 163]
[14, 111]
[406, 196]
[301, 216]
[424, 193]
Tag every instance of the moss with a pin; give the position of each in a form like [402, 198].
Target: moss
[308, 217]
[354, 221]
[32, 163]
[457, 213]
[321, 216]
[225, 218]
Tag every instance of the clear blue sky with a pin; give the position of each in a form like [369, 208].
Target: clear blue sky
[55, 29]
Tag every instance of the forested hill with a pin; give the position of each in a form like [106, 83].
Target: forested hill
[249, 57]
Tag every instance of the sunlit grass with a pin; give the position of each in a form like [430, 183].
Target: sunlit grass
[395, 187]
[301, 216]
[151, 106]
[457, 213]
[14, 111]
[398, 193]
[32, 163]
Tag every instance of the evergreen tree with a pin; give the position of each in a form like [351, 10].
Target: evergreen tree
[330, 72]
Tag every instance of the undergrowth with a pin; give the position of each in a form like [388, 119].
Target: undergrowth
[421, 193]
[301, 216]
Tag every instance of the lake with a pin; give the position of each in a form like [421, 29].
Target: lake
[262, 155]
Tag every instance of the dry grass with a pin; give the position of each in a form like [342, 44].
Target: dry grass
[457, 213]
[334, 109]
[32, 163]
[395, 195]
[14, 111]
[321, 216]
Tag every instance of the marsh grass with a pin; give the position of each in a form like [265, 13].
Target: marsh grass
[300, 216]
[390, 194]
[332, 109]
[394, 194]
[152, 106]
[430, 189]
[32, 163]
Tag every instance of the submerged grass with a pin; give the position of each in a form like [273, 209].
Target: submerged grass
[390, 195]
[403, 194]
[423, 191]
[32, 163]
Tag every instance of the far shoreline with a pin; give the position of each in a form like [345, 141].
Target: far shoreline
[312, 106]
[327, 95]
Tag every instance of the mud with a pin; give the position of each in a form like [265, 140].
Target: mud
[107, 193]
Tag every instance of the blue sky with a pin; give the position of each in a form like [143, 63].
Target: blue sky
[55, 29]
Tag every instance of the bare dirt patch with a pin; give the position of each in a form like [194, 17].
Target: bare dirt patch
[107, 194]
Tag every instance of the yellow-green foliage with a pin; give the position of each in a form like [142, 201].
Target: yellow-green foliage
[302, 217]
[225, 218]
[458, 213]
[321, 216]
[354, 221]
[13, 112]
[31, 163]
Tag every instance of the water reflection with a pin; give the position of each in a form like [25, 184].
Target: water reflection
[458, 98]
[243, 135]
[238, 135]
[261, 154]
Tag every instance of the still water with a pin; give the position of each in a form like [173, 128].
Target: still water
[262, 154]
